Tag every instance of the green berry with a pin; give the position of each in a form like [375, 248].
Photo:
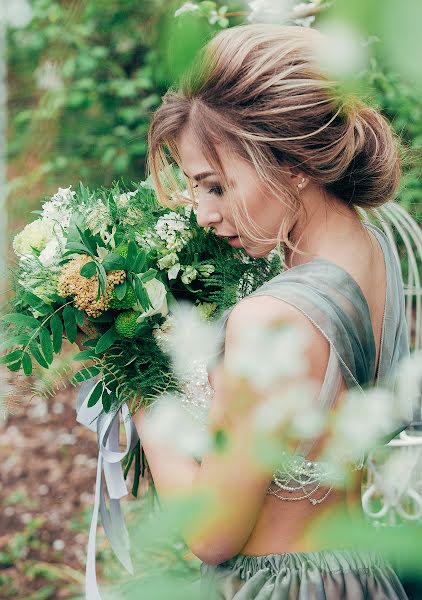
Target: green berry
[126, 324]
[126, 302]
[123, 250]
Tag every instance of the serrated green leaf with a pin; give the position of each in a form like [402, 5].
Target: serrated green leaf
[120, 290]
[85, 374]
[106, 340]
[148, 276]
[95, 394]
[70, 323]
[56, 326]
[88, 270]
[113, 262]
[46, 345]
[27, 364]
[19, 319]
[84, 355]
[36, 353]
[11, 357]
[14, 341]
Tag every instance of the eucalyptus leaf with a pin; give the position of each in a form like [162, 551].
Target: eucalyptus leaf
[139, 262]
[88, 270]
[141, 294]
[120, 290]
[148, 276]
[132, 253]
[106, 401]
[113, 262]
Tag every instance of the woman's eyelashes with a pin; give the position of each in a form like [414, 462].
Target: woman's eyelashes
[214, 189]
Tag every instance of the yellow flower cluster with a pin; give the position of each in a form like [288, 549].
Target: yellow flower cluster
[71, 282]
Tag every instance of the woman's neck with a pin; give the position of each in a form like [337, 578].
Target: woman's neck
[322, 230]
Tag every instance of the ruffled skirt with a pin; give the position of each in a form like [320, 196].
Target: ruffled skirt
[324, 575]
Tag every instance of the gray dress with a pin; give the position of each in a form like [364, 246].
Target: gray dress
[333, 301]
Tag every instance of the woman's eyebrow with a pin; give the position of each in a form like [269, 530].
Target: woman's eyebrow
[200, 176]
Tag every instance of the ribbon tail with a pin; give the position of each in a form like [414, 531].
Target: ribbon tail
[91, 586]
[116, 532]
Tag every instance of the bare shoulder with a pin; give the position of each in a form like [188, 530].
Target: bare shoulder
[267, 310]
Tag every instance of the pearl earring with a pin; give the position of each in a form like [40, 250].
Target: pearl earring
[300, 185]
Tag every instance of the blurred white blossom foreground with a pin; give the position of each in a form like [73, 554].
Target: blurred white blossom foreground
[271, 362]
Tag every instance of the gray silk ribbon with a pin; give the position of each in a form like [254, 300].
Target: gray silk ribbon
[110, 457]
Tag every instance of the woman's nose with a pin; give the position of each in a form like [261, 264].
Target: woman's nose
[206, 215]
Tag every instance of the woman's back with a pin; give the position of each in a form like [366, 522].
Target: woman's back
[366, 265]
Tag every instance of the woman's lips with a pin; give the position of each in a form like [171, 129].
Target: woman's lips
[235, 242]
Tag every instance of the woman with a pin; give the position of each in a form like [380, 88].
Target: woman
[275, 157]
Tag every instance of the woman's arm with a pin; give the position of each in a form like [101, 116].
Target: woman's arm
[235, 480]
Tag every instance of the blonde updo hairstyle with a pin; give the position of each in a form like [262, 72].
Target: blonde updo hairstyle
[259, 91]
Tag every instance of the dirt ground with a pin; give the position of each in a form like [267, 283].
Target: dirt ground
[47, 478]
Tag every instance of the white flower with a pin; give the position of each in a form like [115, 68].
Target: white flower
[123, 199]
[53, 252]
[173, 230]
[157, 295]
[167, 261]
[59, 208]
[192, 339]
[294, 409]
[18, 13]
[48, 76]
[363, 418]
[265, 355]
[189, 274]
[408, 386]
[35, 235]
[206, 270]
[270, 11]
[169, 423]
[186, 8]
[97, 217]
[340, 50]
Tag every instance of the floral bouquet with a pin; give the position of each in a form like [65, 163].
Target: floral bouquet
[115, 263]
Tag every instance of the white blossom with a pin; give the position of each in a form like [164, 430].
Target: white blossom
[293, 409]
[16, 13]
[408, 387]
[363, 418]
[189, 274]
[157, 295]
[97, 217]
[35, 235]
[173, 426]
[48, 76]
[192, 339]
[270, 11]
[264, 356]
[340, 50]
[53, 252]
[186, 8]
[173, 230]
[59, 208]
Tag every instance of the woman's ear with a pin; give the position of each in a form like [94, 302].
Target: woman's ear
[298, 179]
